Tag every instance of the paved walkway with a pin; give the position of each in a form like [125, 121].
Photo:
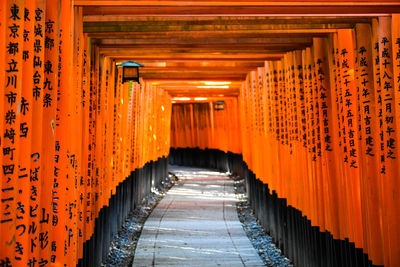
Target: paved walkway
[196, 224]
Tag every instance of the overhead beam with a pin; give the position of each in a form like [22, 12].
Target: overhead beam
[230, 20]
[182, 85]
[212, 69]
[198, 87]
[186, 85]
[211, 72]
[132, 36]
[222, 79]
[267, 49]
[192, 26]
[182, 43]
[196, 42]
[203, 94]
[199, 75]
[229, 57]
[245, 9]
[194, 88]
[211, 92]
[201, 64]
[228, 3]
[206, 59]
[195, 91]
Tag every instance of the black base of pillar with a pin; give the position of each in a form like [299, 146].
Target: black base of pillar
[129, 194]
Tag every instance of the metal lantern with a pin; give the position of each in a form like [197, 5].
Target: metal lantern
[130, 71]
[219, 105]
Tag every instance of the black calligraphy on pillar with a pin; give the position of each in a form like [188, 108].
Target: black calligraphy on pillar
[11, 96]
[350, 119]
[387, 98]
[365, 95]
[323, 96]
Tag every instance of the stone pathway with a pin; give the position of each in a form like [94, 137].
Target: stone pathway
[196, 224]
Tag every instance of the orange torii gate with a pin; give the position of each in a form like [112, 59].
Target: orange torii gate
[320, 128]
[71, 133]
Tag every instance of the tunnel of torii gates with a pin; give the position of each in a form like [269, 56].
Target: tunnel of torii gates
[299, 98]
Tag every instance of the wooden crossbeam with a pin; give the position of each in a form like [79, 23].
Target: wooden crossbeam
[182, 42]
[203, 92]
[200, 75]
[201, 64]
[245, 9]
[229, 57]
[126, 37]
[266, 49]
[243, 3]
[186, 79]
[213, 70]
[194, 41]
[192, 26]
[228, 20]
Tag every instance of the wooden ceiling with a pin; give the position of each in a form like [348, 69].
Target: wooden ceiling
[185, 45]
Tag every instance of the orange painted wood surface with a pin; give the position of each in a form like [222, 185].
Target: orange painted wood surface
[320, 127]
[60, 109]
[314, 115]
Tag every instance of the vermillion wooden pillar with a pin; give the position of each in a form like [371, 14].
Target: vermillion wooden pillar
[37, 159]
[369, 152]
[396, 87]
[11, 216]
[390, 168]
[23, 198]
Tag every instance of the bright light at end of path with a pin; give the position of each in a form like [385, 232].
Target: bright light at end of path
[213, 86]
[216, 83]
[181, 99]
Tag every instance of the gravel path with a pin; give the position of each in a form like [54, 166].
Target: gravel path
[196, 224]
[219, 228]
[270, 254]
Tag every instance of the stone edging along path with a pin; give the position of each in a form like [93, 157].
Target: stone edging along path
[123, 246]
[262, 242]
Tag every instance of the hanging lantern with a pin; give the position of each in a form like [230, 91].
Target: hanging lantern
[219, 105]
[130, 71]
